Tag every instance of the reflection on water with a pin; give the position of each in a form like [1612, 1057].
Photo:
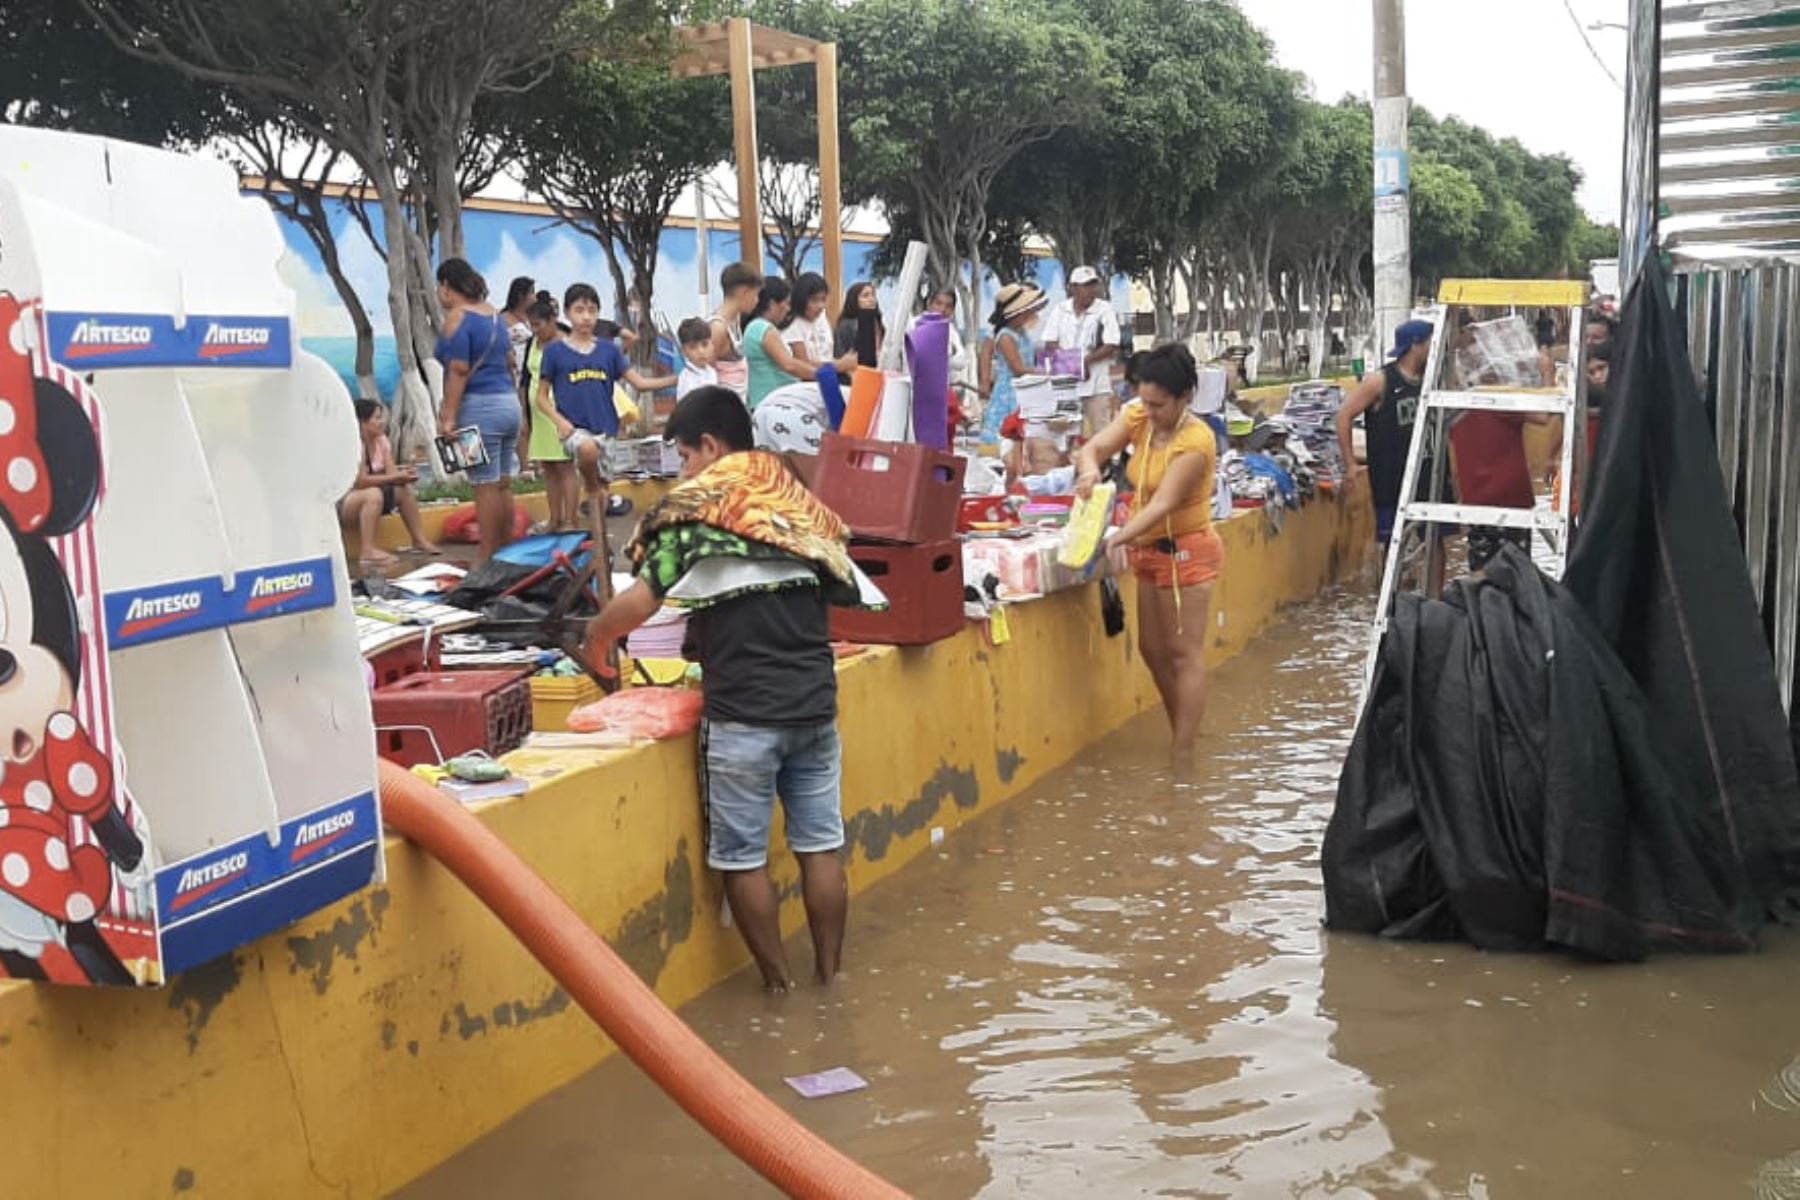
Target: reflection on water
[1118, 986]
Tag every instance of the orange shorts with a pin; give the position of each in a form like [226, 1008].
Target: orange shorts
[1195, 562]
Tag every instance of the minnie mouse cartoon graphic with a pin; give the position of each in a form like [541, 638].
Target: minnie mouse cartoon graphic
[51, 887]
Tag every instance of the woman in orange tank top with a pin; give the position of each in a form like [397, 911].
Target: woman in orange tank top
[1175, 553]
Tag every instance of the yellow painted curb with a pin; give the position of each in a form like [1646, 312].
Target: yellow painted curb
[350, 1053]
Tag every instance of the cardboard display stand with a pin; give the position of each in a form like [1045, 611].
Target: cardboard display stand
[181, 694]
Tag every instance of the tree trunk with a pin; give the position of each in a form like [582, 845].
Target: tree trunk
[359, 321]
[942, 230]
[306, 207]
[414, 403]
[643, 318]
[1287, 312]
[1320, 314]
[616, 268]
[446, 199]
[1162, 298]
[975, 281]
[1258, 289]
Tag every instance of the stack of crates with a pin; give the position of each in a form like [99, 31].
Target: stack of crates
[901, 502]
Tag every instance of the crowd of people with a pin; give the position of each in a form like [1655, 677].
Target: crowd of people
[537, 381]
[769, 719]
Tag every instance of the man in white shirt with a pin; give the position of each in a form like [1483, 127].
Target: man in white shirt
[1087, 323]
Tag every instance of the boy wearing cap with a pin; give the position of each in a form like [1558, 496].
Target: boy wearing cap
[1087, 323]
[1390, 396]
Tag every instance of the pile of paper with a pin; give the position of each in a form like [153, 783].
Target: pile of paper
[659, 637]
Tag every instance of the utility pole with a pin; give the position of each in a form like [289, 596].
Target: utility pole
[1393, 175]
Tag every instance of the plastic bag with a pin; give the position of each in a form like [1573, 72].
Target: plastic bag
[1502, 353]
[650, 713]
[461, 526]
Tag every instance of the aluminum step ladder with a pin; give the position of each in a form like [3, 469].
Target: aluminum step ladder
[1440, 406]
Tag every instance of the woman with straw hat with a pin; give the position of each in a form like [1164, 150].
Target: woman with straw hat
[1016, 311]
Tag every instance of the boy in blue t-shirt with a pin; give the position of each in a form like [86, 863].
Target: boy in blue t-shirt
[575, 386]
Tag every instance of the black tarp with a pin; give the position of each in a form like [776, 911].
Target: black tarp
[1659, 565]
[1527, 774]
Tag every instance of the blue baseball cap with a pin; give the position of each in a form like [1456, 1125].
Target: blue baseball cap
[1409, 335]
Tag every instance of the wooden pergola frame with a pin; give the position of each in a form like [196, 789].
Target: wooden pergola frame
[739, 48]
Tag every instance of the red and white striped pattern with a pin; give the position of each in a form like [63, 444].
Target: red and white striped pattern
[80, 555]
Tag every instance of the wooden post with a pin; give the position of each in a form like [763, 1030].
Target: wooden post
[743, 120]
[830, 201]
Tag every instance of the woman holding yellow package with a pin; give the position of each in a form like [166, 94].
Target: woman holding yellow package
[1174, 551]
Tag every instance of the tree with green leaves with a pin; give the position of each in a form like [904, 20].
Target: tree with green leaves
[1528, 215]
[59, 70]
[1590, 242]
[611, 146]
[1198, 101]
[295, 176]
[369, 78]
[1325, 229]
[938, 97]
[1448, 213]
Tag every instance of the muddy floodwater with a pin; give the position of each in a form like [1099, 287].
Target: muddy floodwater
[1117, 986]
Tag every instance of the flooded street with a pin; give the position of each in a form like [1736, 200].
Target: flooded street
[1117, 986]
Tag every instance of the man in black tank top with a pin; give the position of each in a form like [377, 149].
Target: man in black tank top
[1390, 398]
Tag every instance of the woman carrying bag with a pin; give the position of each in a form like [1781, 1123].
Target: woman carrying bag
[1174, 551]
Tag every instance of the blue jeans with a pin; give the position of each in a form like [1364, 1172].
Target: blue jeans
[742, 770]
[499, 418]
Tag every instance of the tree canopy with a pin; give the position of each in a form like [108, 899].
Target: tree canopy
[1158, 138]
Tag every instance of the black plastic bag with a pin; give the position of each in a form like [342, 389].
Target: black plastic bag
[1112, 607]
[1528, 774]
[1659, 565]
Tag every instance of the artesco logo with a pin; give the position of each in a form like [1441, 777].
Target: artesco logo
[314, 836]
[94, 337]
[271, 590]
[222, 341]
[197, 883]
[153, 612]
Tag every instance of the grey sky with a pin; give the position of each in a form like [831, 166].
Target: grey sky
[1515, 67]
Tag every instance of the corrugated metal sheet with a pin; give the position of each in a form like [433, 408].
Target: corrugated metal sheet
[1712, 180]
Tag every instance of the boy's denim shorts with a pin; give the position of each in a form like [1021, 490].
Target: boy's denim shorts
[499, 418]
[743, 768]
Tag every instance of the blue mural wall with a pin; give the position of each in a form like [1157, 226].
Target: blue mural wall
[502, 245]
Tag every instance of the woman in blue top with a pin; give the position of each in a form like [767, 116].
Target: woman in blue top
[772, 363]
[478, 390]
[1016, 310]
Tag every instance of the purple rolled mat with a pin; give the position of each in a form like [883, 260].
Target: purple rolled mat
[928, 356]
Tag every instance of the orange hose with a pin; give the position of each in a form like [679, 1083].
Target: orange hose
[752, 1126]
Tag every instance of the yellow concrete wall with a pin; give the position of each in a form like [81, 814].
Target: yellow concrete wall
[350, 1053]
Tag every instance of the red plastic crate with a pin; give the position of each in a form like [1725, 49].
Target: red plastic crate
[924, 588]
[984, 510]
[465, 710]
[408, 658]
[891, 491]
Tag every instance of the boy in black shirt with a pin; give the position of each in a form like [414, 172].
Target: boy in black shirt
[756, 557]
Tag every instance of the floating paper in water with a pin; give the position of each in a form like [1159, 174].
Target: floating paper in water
[828, 1083]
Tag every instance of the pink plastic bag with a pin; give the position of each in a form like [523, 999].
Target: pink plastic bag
[1069, 362]
[653, 713]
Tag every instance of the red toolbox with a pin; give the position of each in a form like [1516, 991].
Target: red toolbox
[924, 589]
[464, 710]
[890, 491]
